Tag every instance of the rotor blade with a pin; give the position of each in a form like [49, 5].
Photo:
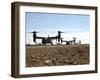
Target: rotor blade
[33, 32]
[62, 32]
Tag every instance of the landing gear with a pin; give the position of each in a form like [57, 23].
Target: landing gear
[44, 43]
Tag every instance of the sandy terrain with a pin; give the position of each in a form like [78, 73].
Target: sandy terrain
[57, 55]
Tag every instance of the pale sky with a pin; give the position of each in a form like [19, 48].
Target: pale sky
[49, 23]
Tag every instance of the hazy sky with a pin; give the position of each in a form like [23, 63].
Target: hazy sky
[49, 23]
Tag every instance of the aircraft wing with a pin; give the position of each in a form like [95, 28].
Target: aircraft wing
[47, 37]
[52, 37]
[40, 37]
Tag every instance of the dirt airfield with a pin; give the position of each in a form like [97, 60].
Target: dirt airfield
[57, 55]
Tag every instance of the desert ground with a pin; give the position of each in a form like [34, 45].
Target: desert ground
[57, 55]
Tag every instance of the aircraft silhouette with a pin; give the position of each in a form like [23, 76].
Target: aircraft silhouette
[70, 41]
[48, 39]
